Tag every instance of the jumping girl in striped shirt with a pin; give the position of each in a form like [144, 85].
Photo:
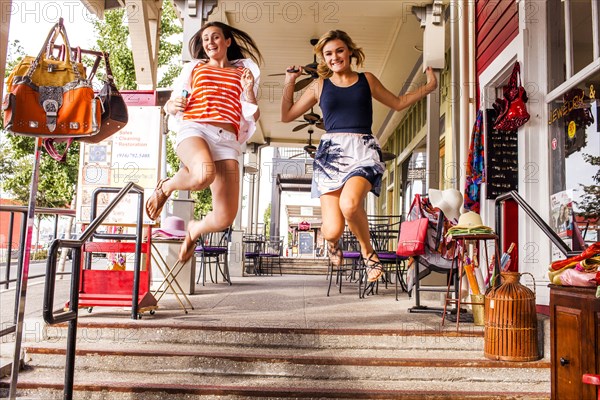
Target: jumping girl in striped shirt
[213, 110]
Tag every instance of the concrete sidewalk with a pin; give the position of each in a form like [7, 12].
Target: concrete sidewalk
[294, 301]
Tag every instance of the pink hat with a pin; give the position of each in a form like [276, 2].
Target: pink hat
[171, 227]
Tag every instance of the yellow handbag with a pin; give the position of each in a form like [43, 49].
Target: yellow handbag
[62, 72]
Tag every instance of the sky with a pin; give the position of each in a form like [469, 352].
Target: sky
[31, 20]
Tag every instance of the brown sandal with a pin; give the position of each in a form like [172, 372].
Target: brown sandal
[188, 247]
[336, 255]
[156, 201]
[374, 270]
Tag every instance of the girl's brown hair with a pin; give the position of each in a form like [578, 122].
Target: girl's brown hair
[242, 45]
[355, 51]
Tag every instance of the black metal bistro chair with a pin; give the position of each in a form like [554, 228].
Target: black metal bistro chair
[385, 231]
[252, 247]
[213, 248]
[352, 264]
[271, 252]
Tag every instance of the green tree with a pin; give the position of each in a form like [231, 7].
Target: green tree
[590, 201]
[267, 221]
[113, 38]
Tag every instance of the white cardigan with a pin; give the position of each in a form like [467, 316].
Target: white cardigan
[247, 123]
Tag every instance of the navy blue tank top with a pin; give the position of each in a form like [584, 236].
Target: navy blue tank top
[347, 109]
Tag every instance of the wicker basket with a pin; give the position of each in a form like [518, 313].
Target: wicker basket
[510, 321]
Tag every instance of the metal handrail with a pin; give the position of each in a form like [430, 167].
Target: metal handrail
[76, 245]
[546, 229]
[12, 209]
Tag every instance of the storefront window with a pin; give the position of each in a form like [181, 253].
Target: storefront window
[571, 38]
[582, 35]
[556, 44]
[575, 153]
[415, 182]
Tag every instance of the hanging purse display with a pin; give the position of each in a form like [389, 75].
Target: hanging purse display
[52, 99]
[114, 110]
[511, 110]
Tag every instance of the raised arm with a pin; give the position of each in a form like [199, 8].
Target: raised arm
[290, 110]
[384, 96]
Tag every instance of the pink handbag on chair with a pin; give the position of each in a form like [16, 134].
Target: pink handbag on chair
[412, 237]
[413, 234]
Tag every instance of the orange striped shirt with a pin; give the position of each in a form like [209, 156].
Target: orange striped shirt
[215, 95]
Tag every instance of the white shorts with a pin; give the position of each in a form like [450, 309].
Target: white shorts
[223, 144]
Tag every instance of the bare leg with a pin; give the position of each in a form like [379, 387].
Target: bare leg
[333, 225]
[225, 199]
[352, 198]
[198, 170]
[197, 173]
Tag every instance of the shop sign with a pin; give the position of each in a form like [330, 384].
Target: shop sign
[304, 226]
[416, 173]
[565, 109]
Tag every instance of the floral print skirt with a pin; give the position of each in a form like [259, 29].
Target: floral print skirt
[340, 156]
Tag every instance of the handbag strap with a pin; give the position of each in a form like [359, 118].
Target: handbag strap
[52, 152]
[416, 204]
[109, 74]
[94, 67]
[515, 76]
[99, 57]
[59, 28]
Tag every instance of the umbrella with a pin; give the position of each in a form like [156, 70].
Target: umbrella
[505, 259]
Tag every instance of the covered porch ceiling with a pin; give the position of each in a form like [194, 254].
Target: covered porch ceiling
[387, 30]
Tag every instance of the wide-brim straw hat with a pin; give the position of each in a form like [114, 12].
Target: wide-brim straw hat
[450, 201]
[171, 227]
[470, 220]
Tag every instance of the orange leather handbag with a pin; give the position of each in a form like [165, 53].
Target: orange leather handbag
[53, 99]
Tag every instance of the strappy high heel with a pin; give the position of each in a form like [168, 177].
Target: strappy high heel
[156, 201]
[373, 268]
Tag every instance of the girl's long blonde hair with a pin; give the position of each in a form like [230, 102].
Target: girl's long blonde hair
[355, 51]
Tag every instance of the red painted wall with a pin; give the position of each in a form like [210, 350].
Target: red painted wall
[496, 25]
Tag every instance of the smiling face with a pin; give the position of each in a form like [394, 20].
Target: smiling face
[336, 55]
[214, 43]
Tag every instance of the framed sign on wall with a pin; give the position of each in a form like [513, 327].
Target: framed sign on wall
[131, 155]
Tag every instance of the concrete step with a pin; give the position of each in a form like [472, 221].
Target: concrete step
[144, 356]
[343, 379]
[117, 361]
[166, 384]
[413, 337]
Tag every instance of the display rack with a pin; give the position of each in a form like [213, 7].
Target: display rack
[502, 159]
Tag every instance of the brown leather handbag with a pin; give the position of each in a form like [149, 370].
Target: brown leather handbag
[52, 99]
[114, 110]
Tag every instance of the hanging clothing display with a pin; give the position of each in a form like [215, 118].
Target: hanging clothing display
[475, 167]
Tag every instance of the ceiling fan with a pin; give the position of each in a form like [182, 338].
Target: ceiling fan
[310, 149]
[310, 119]
[308, 69]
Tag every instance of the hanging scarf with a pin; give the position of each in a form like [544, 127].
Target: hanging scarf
[475, 167]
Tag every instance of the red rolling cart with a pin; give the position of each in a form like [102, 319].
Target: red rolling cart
[110, 288]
